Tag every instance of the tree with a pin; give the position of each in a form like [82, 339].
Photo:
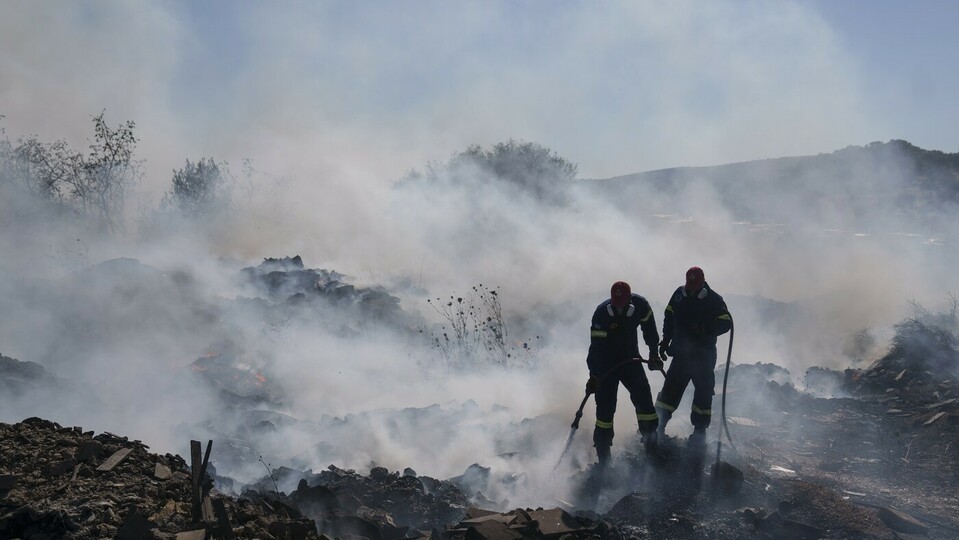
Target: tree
[92, 186]
[198, 187]
[531, 167]
[100, 180]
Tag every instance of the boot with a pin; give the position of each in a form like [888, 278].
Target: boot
[651, 442]
[698, 439]
[603, 455]
[664, 416]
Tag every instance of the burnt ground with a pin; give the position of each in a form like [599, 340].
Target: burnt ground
[881, 463]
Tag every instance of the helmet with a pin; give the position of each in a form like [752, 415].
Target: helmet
[695, 279]
[619, 294]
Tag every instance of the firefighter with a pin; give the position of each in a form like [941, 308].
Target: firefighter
[694, 317]
[614, 357]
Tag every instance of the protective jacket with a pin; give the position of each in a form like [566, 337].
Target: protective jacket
[692, 323]
[613, 343]
[613, 337]
[690, 327]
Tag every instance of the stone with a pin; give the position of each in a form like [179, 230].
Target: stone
[8, 481]
[136, 527]
[89, 451]
[161, 471]
[58, 468]
[727, 478]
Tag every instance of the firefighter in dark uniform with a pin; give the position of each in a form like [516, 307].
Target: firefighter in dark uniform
[614, 357]
[694, 317]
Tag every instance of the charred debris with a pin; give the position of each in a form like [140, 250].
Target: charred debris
[870, 452]
[800, 475]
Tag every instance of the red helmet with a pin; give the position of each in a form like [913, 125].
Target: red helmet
[695, 279]
[619, 294]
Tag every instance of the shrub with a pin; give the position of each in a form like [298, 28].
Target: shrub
[198, 188]
[475, 333]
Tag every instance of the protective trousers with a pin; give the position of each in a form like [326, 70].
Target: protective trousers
[700, 370]
[634, 379]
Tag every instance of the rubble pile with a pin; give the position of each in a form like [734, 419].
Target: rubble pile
[917, 384]
[405, 499]
[237, 383]
[63, 482]
[288, 285]
[404, 505]
[891, 448]
[18, 379]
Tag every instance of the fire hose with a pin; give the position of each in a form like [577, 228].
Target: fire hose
[725, 425]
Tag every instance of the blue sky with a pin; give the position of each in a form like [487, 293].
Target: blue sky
[367, 90]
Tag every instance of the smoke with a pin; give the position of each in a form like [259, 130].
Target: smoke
[331, 120]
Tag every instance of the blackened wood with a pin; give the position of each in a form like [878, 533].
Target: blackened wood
[225, 528]
[195, 476]
[206, 461]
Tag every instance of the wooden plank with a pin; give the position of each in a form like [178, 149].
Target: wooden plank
[206, 460]
[206, 510]
[114, 460]
[199, 534]
[195, 467]
[195, 477]
[941, 403]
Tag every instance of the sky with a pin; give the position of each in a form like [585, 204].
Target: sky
[366, 91]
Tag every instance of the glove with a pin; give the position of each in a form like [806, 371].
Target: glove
[663, 347]
[654, 364]
[592, 385]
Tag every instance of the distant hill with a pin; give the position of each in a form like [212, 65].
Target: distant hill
[897, 181]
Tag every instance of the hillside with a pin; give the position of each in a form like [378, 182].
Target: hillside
[900, 182]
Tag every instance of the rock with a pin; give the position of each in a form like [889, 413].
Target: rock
[135, 527]
[293, 530]
[727, 478]
[379, 473]
[492, 530]
[475, 478]
[89, 451]
[59, 468]
[8, 481]
[779, 527]
[316, 501]
[349, 526]
[161, 471]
